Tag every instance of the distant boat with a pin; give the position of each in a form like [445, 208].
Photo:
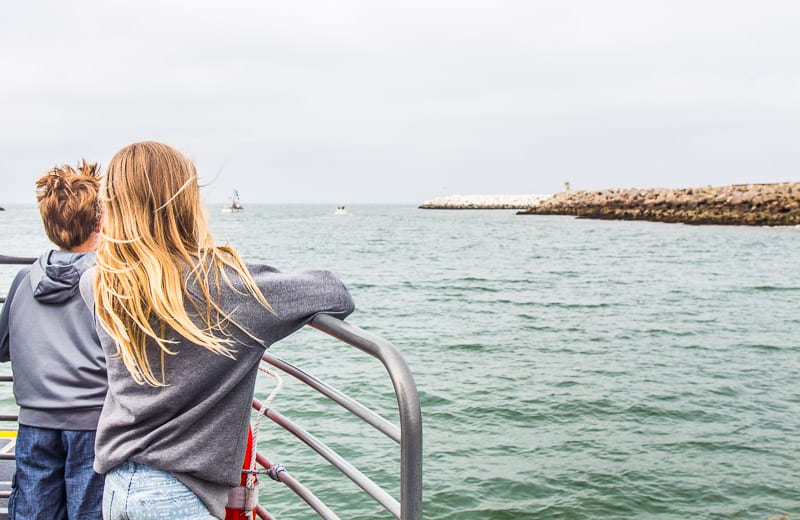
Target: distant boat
[2, 208]
[340, 210]
[233, 206]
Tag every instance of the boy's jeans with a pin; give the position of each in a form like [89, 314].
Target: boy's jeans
[54, 479]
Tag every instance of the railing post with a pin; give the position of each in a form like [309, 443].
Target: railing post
[407, 401]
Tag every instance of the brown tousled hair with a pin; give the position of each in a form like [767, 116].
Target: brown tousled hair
[68, 203]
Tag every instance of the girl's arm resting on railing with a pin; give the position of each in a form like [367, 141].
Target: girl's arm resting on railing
[296, 298]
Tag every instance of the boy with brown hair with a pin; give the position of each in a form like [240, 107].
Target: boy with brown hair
[48, 333]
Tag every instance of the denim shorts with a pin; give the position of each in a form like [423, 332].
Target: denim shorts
[138, 492]
[54, 478]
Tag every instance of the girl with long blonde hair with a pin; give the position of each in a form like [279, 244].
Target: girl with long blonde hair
[184, 323]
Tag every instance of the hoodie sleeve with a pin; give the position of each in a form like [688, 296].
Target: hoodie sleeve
[5, 352]
[297, 297]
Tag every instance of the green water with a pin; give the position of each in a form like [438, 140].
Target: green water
[567, 369]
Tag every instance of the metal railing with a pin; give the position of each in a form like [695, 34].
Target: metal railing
[408, 435]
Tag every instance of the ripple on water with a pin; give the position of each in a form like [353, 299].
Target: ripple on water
[772, 288]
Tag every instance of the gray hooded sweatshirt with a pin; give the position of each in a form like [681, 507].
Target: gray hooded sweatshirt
[196, 427]
[47, 331]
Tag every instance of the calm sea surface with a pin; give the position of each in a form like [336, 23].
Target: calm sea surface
[567, 369]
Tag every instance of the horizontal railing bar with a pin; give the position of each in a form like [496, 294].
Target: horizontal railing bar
[262, 513]
[9, 418]
[7, 456]
[6, 379]
[347, 469]
[407, 401]
[374, 419]
[20, 260]
[300, 490]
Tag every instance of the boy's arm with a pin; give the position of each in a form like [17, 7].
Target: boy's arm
[5, 354]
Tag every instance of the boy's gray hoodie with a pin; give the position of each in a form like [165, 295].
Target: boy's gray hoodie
[48, 333]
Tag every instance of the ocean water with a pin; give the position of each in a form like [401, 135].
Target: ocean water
[567, 369]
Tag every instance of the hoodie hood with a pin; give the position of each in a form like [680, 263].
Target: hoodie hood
[56, 276]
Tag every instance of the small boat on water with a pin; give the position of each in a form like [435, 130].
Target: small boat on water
[340, 210]
[234, 206]
[408, 434]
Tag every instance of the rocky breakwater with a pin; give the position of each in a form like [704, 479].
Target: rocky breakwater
[483, 202]
[739, 204]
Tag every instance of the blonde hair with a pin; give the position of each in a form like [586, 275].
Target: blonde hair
[68, 203]
[153, 240]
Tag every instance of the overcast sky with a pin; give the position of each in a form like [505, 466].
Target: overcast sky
[359, 101]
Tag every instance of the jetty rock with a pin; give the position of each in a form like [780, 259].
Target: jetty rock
[776, 204]
[484, 201]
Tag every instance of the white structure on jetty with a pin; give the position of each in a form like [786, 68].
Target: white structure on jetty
[484, 201]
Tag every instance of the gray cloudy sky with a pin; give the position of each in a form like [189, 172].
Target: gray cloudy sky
[359, 101]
